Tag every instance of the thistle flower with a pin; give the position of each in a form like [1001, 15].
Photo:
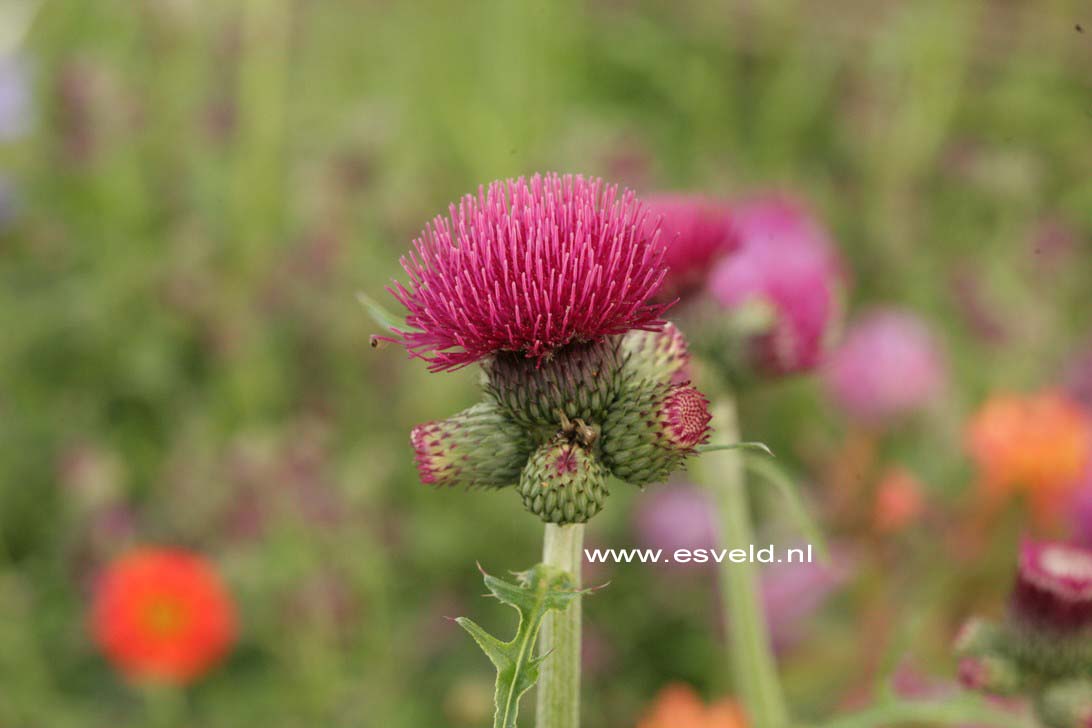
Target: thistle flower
[698, 231]
[1034, 445]
[786, 268]
[162, 615]
[888, 366]
[679, 706]
[530, 266]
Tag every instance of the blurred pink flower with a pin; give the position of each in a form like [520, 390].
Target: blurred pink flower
[888, 366]
[788, 262]
[698, 231]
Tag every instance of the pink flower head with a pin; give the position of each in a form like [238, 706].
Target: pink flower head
[530, 266]
[1054, 586]
[888, 366]
[786, 261]
[697, 231]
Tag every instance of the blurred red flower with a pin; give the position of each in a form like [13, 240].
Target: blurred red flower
[679, 706]
[1035, 445]
[162, 615]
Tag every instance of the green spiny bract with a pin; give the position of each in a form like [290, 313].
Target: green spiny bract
[651, 429]
[578, 380]
[478, 447]
[656, 357]
[563, 483]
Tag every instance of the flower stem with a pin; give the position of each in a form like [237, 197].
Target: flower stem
[754, 670]
[559, 685]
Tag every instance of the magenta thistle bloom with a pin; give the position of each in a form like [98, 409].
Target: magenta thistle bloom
[697, 231]
[888, 366]
[1054, 586]
[530, 266]
[787, 263]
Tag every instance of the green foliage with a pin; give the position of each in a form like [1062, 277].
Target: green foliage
[536, 592]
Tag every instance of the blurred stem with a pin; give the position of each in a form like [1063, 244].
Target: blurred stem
[559, 684]
[260, 108]
[957, 711]
[164, 705]
[754, 670]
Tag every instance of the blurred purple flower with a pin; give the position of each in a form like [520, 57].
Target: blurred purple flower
[791, 591]
[15, 101]
[888, 366]
[787, 261]
[676, 517]
[1079, 378]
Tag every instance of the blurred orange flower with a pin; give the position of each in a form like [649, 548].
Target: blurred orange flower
[679, 706]
[162, 615]
[1034, 445]
[899, 500]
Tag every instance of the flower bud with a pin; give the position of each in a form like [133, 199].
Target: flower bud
[563, 483]
[478, 447]
[656, 356]
[651, 429]
[1053, 591]
[1066, 704]
[579, 380]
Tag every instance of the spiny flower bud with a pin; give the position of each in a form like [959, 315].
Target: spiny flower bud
[656, 356]
[579, 381]
[563, 483]
[1053, 589]
[650, 431]
[1066, 704]
[479, 447]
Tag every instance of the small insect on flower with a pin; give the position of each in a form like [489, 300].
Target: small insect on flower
[530, 266]
[162, 615]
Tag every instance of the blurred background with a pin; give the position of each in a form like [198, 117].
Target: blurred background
[192, 192]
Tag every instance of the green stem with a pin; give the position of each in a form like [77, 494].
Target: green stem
[559, 685]
[753, 667]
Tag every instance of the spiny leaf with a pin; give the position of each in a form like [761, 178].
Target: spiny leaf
[536, 592]
[797, 510]
[759, 446]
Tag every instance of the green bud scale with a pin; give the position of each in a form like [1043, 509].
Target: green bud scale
[563, 483]
[579, 380]
[479, 447]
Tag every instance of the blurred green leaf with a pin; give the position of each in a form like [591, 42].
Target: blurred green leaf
[786, 485]
[757, 446]
[379, 313]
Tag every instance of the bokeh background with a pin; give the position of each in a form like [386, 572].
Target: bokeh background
[192, 192]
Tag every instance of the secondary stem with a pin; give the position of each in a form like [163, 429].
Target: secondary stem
[559, 684]
[753, 667]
